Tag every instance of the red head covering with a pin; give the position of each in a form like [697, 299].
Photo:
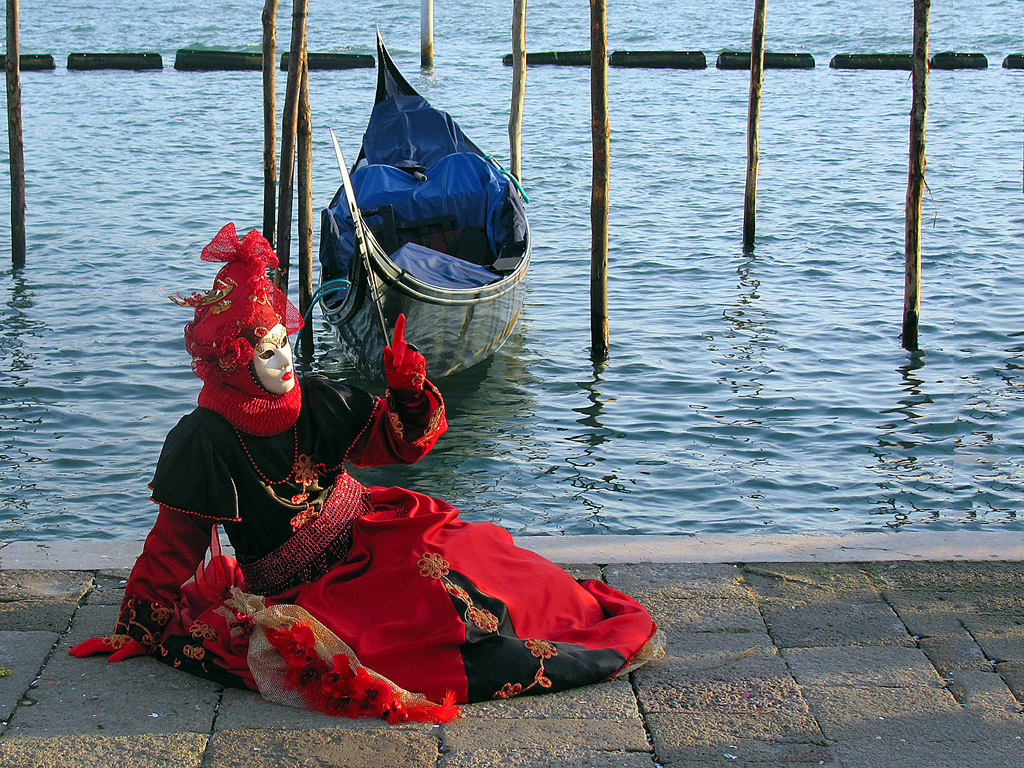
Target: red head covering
[230, 319]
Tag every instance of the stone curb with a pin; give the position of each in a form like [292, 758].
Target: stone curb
[608, 549]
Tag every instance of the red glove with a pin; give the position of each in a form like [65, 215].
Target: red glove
[404, 366]
[123, 647]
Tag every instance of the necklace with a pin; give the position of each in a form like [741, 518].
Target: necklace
[303, 471]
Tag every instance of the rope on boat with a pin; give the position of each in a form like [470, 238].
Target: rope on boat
[318, 296]
[513, 179]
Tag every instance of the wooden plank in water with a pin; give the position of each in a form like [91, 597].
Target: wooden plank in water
[556, 58]
[741, 60]
[35, 62]
[132, 61]
[659, 59]
[903, 61]
[192, 60]
[334, 61]
[951, 60]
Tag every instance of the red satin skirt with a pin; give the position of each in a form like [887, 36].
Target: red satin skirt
[436, 605]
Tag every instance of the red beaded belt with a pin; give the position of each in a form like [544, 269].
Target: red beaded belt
[314, 548]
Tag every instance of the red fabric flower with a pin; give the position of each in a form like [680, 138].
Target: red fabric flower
[369, 695]
[337, 681]
[396, 712]
[306, 676]
[296, 644]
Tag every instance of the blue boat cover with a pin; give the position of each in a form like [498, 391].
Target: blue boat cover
[455, 184]
[440, 269]
[404, 128]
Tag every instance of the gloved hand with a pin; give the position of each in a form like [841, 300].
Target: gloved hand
[404, 366]
[120, 647]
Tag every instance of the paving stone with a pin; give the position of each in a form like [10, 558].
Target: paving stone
[90, 695]
[954, 652]
[36, 615]
[981, 624]
[930, 624]
[614, 700]
[846, 713]
[948, 576]
[925, 615]
[241, 710]
[584, 734]
[778, 739]
[582, 571]
[982, 690]
[180, 750]
[108, 587]
[719, 656]
[810, 581]
[1004, 604]
[22, 654]
[699, 614]
[19, 585]
[555, 757]
[1000, 637]
[885, 666]
[320, 749]
[40, 600]
[1012, 673]
[753, 695]
[901, 753]
[684, 580]
[795, 624]
[1001, 648]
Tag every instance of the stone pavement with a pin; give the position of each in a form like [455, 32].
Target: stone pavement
[783, 664]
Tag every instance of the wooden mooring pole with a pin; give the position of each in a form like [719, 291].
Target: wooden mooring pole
[753, 125]
[14, 137]
[600, 137]
[269, 119]
[288, 122]
[305, 141]
[515, 118]
[426, 33]
[915, 179]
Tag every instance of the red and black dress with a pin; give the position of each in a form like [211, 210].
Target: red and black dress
[433, 604]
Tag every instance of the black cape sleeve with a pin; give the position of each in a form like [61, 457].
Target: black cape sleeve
[192, 475]
[338, 413]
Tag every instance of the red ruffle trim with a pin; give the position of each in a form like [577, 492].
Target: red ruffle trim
[253, 414]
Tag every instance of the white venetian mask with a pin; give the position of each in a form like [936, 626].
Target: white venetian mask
[272, 360]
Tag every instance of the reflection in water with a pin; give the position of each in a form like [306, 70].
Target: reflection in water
[15, 357]
[18, 465]
[897, 448]
[588, 474]
[932, 464]
[749, 334]
[747, 422]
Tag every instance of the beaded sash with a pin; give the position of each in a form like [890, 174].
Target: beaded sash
[313, 549]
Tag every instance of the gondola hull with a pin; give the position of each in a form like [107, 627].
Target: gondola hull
[454, 327]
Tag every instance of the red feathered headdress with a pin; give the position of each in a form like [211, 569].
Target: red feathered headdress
[230, 319]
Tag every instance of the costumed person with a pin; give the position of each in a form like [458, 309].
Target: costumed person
[350, 600]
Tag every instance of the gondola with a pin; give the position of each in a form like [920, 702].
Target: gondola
[439, 233]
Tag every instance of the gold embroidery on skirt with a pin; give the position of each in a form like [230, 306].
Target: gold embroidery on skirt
[201, 630]
[433, 566]
[542, 649]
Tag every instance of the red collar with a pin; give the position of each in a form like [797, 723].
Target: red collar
[261, 415]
